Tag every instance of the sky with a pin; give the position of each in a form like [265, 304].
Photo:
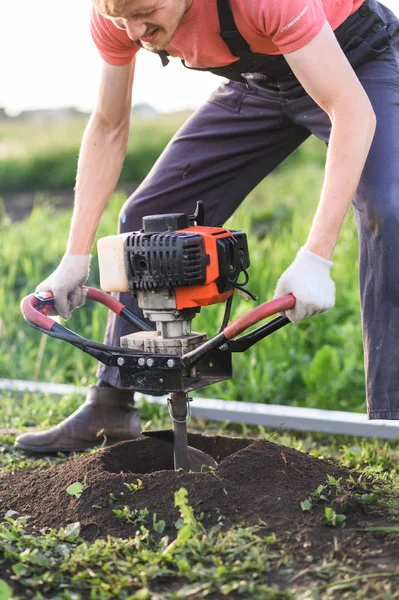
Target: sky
[48, 60]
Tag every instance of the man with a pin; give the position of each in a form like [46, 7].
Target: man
[295, 67]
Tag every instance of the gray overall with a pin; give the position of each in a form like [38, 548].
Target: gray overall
[249, 126]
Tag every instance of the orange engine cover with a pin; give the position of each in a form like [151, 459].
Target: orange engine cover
[208, 293]
[200, 264]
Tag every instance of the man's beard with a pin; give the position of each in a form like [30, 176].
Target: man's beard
[157, 46]
[165, 35]
[161, 44]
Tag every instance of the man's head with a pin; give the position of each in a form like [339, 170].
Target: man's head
[152, 22]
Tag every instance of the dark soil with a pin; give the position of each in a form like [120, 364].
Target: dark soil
[256, 481]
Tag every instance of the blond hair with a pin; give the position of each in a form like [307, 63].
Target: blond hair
[113, 8]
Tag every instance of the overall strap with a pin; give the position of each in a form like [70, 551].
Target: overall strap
[229, 33]
[163, 55]
[228, 30]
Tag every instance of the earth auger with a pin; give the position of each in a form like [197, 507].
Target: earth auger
[174, 266]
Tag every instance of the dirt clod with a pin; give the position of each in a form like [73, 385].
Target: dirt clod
[347, 504]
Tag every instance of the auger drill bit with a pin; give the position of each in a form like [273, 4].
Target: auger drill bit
[198, 460]
[178, 403]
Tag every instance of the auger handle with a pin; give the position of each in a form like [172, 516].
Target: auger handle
[267, 309]
[35, 307]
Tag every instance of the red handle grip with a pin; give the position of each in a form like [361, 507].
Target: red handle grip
[106, 299]
[29, 308]
[267, 309]
[33, 305]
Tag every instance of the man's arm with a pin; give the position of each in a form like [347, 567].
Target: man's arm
[326, 75]
[101, 157]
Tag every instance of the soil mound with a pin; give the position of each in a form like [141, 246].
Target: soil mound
[255, 481]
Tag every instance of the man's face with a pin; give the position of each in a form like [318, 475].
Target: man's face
[152, 22]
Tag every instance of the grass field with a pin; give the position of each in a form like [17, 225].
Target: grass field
[317, 363]
[43, 156]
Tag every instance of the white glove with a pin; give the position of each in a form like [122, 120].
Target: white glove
[66, 283]
[308, 278]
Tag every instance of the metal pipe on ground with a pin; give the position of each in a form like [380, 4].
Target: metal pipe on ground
[249, 413]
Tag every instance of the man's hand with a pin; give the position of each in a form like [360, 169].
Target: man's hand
[66, 283]
[308, 278]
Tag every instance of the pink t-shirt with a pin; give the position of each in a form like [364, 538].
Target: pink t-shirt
[269, 27]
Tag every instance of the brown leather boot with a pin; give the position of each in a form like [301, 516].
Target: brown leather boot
[107, 413]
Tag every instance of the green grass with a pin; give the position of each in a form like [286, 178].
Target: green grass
[316, 363]
[37, 157]
[214, 563]
[201, 562]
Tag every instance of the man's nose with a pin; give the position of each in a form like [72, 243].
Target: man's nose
[135, 29]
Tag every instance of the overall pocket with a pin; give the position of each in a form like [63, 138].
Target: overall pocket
[230, 95]
[364, 36]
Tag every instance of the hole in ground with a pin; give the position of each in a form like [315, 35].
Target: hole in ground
[147, 455]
